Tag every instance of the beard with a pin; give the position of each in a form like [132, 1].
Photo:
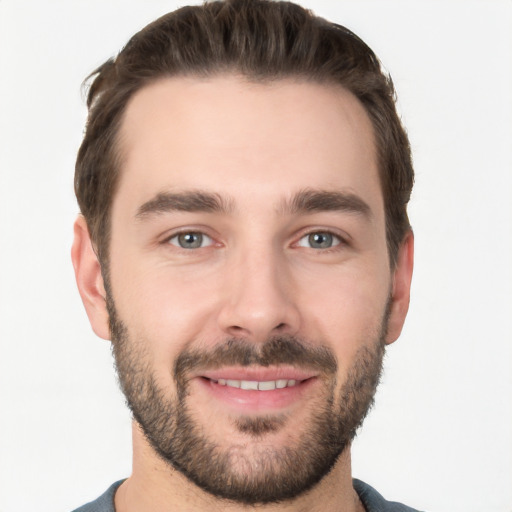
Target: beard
[254, 471]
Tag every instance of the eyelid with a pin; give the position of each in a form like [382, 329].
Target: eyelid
[166, 239]
[205, 239]
[341, 239]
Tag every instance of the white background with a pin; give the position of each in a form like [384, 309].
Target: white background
[440, 436]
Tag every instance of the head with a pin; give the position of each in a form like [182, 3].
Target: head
[244, 180]
[263, 41]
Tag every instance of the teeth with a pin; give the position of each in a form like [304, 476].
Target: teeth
[256, 385]
[248, 384]
[267, 386]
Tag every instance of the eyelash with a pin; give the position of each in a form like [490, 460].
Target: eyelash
[335, 239]
[339, 241]
[176, 236]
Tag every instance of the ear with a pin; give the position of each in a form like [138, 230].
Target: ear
[401, 292]
[89, 279]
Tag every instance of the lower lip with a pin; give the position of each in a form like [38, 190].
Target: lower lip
[257, 401]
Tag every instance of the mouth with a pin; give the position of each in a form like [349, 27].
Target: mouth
[247, 390]
[259, 378]
[254, 385]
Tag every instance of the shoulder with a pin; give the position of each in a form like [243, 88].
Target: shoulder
[374, 502]
[105, 503]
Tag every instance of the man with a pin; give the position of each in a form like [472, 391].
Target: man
[244, 243]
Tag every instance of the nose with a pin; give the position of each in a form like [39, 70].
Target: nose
[258, 298]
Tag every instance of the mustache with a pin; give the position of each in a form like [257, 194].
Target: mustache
[282, 350]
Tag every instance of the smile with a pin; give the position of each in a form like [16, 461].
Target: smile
[257, 390]
[255, 385]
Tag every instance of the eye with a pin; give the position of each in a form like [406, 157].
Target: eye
[190, 240]
[320, 240]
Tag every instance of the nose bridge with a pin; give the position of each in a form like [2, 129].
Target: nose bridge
[258, 300]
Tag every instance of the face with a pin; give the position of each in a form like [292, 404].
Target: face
[249, 281]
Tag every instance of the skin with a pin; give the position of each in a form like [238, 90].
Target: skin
[256, 146]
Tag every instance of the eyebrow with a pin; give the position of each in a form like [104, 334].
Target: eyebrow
[306, 201]
[188, 201]
[313, 201]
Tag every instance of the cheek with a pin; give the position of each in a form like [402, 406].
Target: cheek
[348, 311]
[166, 307]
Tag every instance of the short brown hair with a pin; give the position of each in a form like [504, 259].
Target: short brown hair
[262, 40]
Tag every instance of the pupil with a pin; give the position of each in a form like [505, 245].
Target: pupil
[320, 240]
[190, 240]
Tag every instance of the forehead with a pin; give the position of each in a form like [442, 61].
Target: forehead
[237, 137]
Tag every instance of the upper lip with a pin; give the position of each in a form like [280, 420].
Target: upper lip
[260, 374]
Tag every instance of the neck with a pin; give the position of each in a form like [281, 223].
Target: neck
[156, 487]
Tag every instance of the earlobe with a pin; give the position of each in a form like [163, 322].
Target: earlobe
[401, 292]
[89, 279]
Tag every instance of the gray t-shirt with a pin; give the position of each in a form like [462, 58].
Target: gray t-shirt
[371, 499]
